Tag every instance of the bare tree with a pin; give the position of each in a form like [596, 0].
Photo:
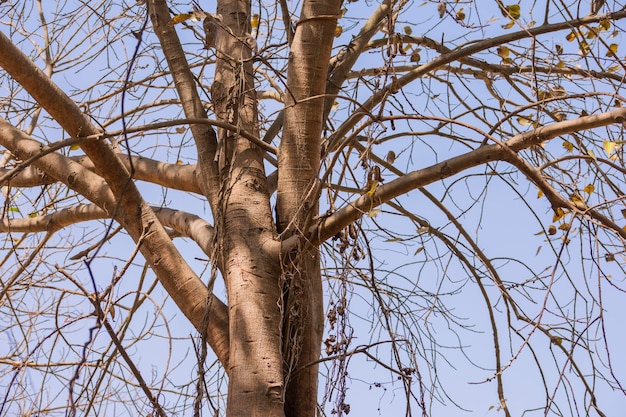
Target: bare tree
[423, 198]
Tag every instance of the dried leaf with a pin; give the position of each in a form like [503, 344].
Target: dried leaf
[609, 147]
[576, 198]
[441, 8]
[254, 22]
[558, 214]
[373, 185]
[179, 18]
[415, 56]
[569, 146]
[591, 154]
[513, 11]
[503, 52]
[605, 24]
[612, 49]
[460, 15]
[509, 25]
[373, 213]
[589, 188]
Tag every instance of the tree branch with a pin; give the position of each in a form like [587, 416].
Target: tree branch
[335, 141]
[333, 224]
[183, 285]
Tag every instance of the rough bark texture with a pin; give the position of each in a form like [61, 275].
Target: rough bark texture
[298, 164]
[245, 224]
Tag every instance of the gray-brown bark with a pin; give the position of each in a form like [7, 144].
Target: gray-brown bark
[298, 189]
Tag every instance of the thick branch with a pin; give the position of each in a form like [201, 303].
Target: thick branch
[186, 224]
[204, 135]
[183, 285]
[335, 140]
[333, 224]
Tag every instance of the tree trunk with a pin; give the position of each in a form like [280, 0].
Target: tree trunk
[244, 225]
[298, 188]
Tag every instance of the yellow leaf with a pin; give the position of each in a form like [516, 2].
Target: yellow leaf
[441, 8]
[372, 188]
[584, 48]
[338, 31]
[608, 147]
[415, 56]
[575, 198]
[460, 14]
[614, 68]
[564, 226]
[569, 146]
[612, 49]
[179, 162]
[408, 30]
[524, 120]
[560, 65]
[552, 230]
[591, 154]
[592, 33]
[254, 22]
[373, 213]
[33, 214]
[539, 194]
[605, 24]
[570, 36]
[179, 18]
[558, 214]
[509, 25]
[512, 11]
[503, 52]
[74, 147]
[589, 188]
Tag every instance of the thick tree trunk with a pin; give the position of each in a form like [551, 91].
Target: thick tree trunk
[298, 188]
[245, 224]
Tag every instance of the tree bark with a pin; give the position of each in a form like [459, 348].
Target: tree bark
[245, 227]
[298, 188]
